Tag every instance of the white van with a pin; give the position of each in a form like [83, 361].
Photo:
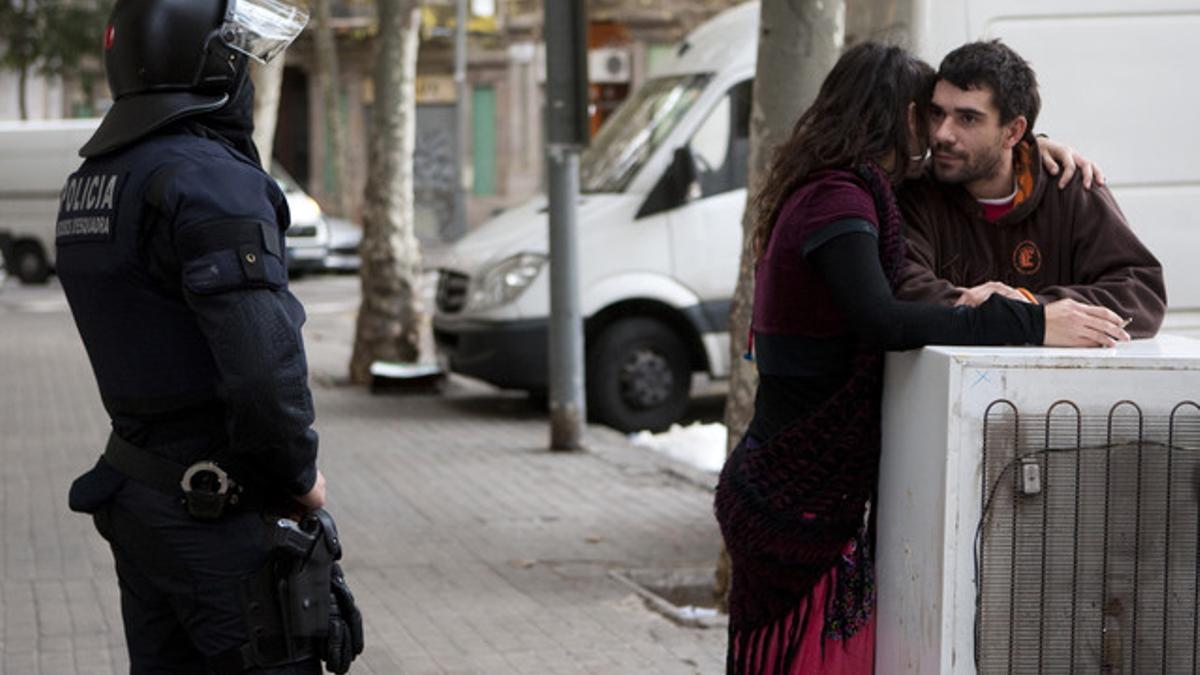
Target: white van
[35, 159]
[656, 274]
[37, 156]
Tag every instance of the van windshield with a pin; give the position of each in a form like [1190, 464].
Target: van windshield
[635, 130]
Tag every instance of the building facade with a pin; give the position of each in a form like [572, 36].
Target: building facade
[502, 161]
[505, 92]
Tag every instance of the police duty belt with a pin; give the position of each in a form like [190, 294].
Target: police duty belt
[206, 488]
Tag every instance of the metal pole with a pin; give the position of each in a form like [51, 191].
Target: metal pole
[458, 223]
[567, 132]
[567, 404]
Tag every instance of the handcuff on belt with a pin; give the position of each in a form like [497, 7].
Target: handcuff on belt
[208, 489]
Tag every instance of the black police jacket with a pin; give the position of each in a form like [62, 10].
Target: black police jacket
[171, 254]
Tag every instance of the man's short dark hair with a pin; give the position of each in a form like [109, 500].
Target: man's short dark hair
[994, 64]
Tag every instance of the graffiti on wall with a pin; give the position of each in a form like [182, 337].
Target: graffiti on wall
[435, 172]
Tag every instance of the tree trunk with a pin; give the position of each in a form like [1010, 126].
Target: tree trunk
[22, 79]
[27, 49]
[268, 78]
[389, 319]
[89, 91]
[329, 80]
[798, 43]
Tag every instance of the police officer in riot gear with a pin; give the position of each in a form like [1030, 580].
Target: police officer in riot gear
[171, 253]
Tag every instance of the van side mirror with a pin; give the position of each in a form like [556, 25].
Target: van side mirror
[677, 185]
[683, 168]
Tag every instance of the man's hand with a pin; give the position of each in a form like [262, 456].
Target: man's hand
[1055, 154]
[977, 295]
[315, 498]
[1074, 324]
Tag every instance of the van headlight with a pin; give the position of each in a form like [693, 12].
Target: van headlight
[303, 209]
[504, 281]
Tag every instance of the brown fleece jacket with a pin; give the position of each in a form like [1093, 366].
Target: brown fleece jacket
[1068, 243]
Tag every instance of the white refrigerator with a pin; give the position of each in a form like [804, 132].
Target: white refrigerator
[1066, 535]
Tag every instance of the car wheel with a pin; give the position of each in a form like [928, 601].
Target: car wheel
[29, 263]
[638, 375]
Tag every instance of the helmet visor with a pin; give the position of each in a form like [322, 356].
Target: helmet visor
[261, 29]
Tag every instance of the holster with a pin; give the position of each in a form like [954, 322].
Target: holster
[299, 604]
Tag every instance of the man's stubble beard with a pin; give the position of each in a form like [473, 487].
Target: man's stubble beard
[982, 166]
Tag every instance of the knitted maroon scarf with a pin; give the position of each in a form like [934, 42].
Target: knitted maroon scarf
[788, 508]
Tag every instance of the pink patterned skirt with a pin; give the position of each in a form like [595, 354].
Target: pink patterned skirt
[830, 632]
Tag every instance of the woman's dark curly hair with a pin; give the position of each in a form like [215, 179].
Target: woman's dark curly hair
[861, 114]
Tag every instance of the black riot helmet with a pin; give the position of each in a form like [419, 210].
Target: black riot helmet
[170, 59]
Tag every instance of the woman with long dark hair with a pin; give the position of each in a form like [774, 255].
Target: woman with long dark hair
[794, 498]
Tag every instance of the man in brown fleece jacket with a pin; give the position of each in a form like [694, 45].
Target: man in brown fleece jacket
[985, 217]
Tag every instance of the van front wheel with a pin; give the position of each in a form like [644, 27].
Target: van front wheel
[638, 375]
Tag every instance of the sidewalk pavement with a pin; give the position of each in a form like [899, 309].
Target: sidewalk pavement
[470, 547]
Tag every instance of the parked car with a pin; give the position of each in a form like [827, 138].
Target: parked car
[308, 237]
[344, 238]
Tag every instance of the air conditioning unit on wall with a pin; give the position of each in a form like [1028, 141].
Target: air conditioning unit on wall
[610, 65]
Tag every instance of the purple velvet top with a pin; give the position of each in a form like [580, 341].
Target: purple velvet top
[790, 297]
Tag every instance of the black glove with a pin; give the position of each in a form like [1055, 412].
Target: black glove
[345, 639]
